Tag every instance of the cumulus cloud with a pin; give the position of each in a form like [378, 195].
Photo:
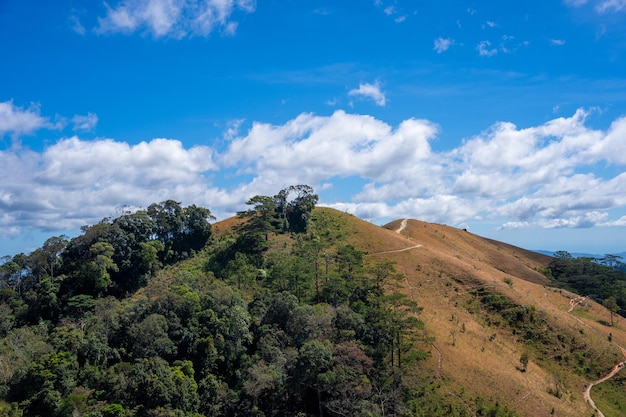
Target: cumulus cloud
[21, 120]
[442, 44]
[371, 91]
[544, 176]
[538, 176]
[172, 18]
[76, 182]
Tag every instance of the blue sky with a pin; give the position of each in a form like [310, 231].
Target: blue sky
[508, 118]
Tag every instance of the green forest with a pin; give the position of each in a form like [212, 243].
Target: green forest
[601, 279]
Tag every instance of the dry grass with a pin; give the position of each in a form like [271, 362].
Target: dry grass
[440, 275]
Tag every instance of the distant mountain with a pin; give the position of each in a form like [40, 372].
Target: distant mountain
[582, 254]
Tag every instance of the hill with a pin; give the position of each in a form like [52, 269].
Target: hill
[295, 310]
[474, 352]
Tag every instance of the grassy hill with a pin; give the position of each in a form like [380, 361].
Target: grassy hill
[473, 353]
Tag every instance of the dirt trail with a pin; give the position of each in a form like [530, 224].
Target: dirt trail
[587, 393]
[574, 302]
[396, 250]
[616, 368]
[402, 225]
[399, 230]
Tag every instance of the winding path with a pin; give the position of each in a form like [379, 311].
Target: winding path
[616, 368]
[399, 230]
[396, 251]
[402, 225]
[573, 303]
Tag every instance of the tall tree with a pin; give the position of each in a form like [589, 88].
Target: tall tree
[45, 260]
[611, 305]
[181, 230]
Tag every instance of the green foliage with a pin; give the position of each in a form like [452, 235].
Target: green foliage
[238, 325]
[599, 279]
[282, 213]
[609, 396]
[533, 328]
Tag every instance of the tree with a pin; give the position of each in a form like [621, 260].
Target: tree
[299, 209]
[347, 382]
[13, 270]
[196, 230]
[181, 230]
[611, 305]
[523, 360]
[261, 219]
[47, 381]
[149, 338]
[295, 214]
[612, 261]
[92, 273]
[349, 261]
[400, 321]
[154, 384]
[240, 271]
[45, 260]
[313, 359]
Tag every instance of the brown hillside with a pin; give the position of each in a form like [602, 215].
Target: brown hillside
[469, 353]
[470, 356]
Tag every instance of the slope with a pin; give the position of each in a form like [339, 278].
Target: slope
[475, 347]
[473, 352]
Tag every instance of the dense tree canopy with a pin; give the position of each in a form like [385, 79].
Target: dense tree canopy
[598, 278]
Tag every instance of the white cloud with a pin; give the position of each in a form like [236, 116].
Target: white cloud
[21, 120]
[544, 176]
[504, 172]
[621, 222]
[76, 182]
[371, 91]
[75, 24]
[576, 3]
[506, 45]
[515, 225]
[85, 123]
[557, 42]
[611, 5]
[232, 129]
[600, 6]
[484, 49]
[442, 44]
[172, 18]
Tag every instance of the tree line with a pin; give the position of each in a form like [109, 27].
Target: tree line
[601, 279]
